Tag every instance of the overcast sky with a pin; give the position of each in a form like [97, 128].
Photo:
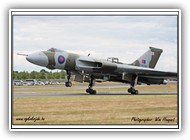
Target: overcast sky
[125, 37]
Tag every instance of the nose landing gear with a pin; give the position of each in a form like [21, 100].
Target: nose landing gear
[68, 83]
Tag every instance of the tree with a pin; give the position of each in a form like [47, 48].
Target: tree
[42, 75]
[50, 75]
[42, 70]
[24, 75]
[62, 74]
[33, 75]
[15, 75]
[56, 75]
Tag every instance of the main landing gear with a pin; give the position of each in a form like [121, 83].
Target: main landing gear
[132, 90]
[91, 84]
[68, 83]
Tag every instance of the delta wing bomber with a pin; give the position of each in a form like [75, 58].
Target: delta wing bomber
[88, 69]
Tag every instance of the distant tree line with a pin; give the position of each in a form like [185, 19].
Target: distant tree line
[42, 75]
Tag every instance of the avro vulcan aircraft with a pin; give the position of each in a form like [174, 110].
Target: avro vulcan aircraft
[88, 69]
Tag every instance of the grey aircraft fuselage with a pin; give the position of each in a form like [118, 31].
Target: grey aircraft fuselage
[88, 69]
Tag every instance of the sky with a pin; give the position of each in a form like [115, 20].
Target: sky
[124, 37]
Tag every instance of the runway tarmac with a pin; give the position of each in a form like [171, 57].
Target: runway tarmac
[30, 95]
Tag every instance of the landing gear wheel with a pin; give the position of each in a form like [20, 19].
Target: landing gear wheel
[87, 90]
[68, 84]
[133, 91]
[130, 90]
[136, 92]
[91, 84]
[90, 91]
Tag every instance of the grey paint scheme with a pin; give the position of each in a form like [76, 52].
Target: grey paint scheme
[151, 56]
[71, 61]
[86, 66]
[51, 60]
[52, 56]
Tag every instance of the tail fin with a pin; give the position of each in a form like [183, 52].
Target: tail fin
[149, 58]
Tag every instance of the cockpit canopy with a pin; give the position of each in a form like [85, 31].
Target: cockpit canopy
[54, 50]
[114, 60]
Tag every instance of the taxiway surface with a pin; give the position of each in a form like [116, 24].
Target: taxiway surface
[29, 95]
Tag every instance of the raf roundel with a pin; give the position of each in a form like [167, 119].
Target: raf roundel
[61, 59]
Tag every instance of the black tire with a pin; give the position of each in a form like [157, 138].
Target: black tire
[87, 90]
[133, 93]
[91, 91]
[129, 90]
[136, 92]
[68, 84]
[94, 91]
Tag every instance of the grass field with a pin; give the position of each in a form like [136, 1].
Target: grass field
[115, 109]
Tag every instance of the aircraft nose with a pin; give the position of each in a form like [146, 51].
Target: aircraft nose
[38, 58]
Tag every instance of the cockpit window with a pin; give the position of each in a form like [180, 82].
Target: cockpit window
[54, 50]
[114, 60]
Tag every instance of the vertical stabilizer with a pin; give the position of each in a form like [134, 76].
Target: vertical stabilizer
[149, 58]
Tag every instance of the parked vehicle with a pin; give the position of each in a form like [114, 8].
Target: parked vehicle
[40, 83]
[18, 82]
[31, 82]
[47, 83]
